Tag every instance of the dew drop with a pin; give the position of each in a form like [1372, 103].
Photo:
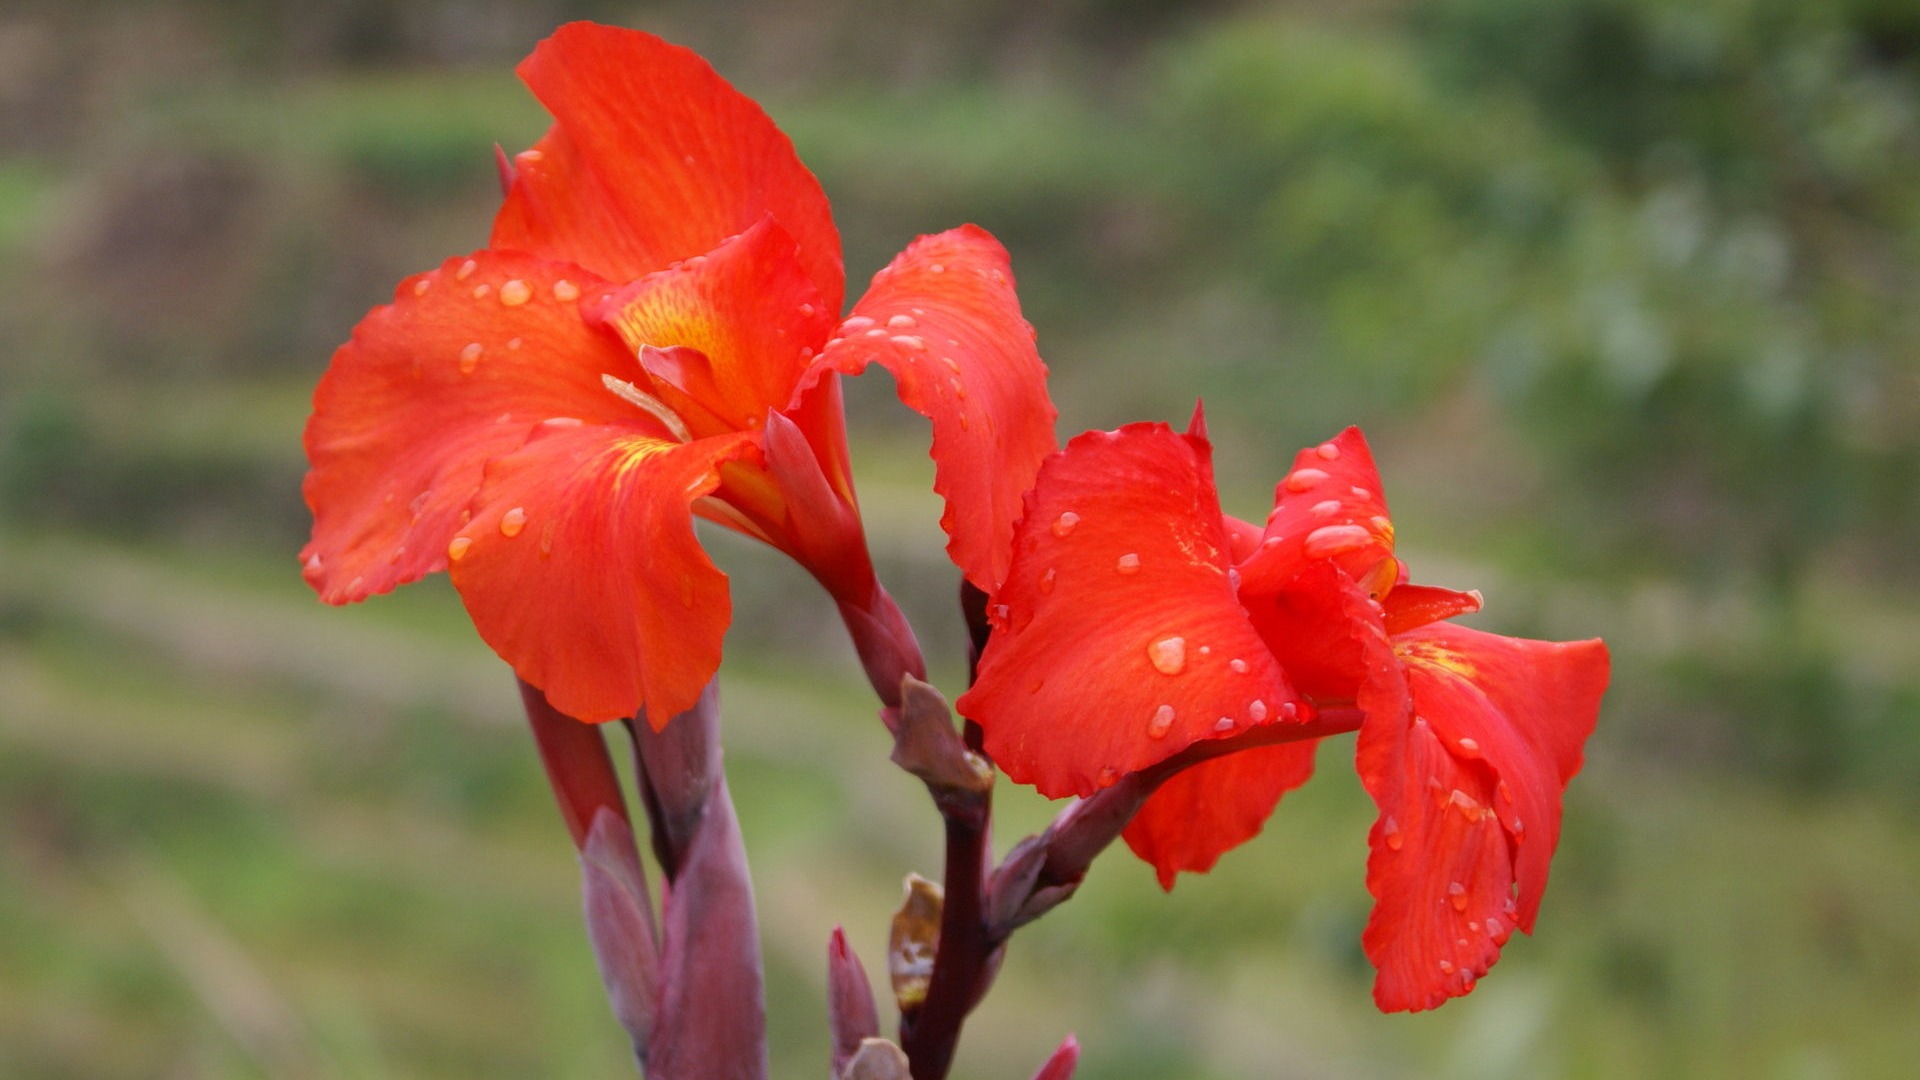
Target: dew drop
[1326, 509]
[1457, 896]
[1205, 650]
[938, 268]
[420, 287]
[1334, 539]
[466, 270]
[1224, 724]
[902, 322]
[470, 358]
[807, 310]
[1063, 525]
[481, 290]
[1494, 929]
[1474, 926]
[959, 391]
[527, 157]
[1328, 452]
[1462, 942]
[1505, 792]
[1469, 747]
[1303, 479]
[546, 537]
[513, 521]
[1288, 709]
[1161, 723]
[1047, 580]
[1361, 493]
[515, 292]
[458, 547]
[909, 341]
[563, 422]
[1446, 967]
[1257, 710]
[876, 332]
[565, 291]
[312, 566]
[1108, 774]
[1168, 655]
[857, 323]
[1238, 665]
[1128, 564]
[1390, 832]
[514, 344]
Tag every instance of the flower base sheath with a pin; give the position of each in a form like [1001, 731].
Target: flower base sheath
[1136, 620]
[652, 333]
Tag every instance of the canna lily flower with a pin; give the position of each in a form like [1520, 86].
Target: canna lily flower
[1137, 621]
[653, 332]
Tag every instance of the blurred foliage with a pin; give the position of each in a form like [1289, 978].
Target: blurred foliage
[1621, 289]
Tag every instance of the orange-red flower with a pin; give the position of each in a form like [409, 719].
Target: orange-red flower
[1137, 620]
[653, 332]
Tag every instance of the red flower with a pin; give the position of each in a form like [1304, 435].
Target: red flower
[1137, 620]
[652, 333]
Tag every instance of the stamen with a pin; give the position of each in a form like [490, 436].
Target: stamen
[651, 404]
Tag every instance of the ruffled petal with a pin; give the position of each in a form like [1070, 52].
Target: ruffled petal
[1522, 708]
[1215, 806]
[1118, 640]
[456, 371]
[1439, 868]
[653, 157]
[943, 318]
[1329, 507]
[1315, 623]
[724, 336]
[581, 568]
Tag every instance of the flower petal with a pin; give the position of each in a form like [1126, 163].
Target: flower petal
[457, 370]
[1117, 638]
[944, 319]
[730, 331]
[1409, 607]
[1525, 708]
[580, 567]
[1215, 806]
[654, 157]
[1329, 506]
[1439, 868]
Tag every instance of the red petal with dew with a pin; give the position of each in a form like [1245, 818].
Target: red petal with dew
[1439, 867]
[1118, 640]
[581, 569]
[724, 336]
[653, 157]
[1215, 806]
[456, 371]
[943, 318]
[1524, 709]
[1329, 506]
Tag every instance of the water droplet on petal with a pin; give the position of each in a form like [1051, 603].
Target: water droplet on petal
[1457, 896]
[1224, 724]
[1238, 665]
[481, 290]
[1168, 655]
[565, 291]
[458, 546]
[1505, 792]
[902, 322]
[1334, 539]
[1108, 774]
[1390, 832]
[312, 566]
[515, 292]
[856, 324]
[466, 270]
[514, 343]
[952, 364]
[1161, 723]
[1257, 710]
[1446, 967]
[807, 310]
[420, 287]
[513, 521]
[1047, 580]
[470, 358]
[1128, 563]
[909, 341]
[1361, 493]
[546, 537]
[1326, 509]
[876, 332]
[1303, 479]
[938, 268]
[1063, 525]
[1328, 452]
[1469, 747]
[1494, 928]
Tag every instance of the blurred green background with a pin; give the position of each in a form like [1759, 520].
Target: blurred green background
[1624, 291]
